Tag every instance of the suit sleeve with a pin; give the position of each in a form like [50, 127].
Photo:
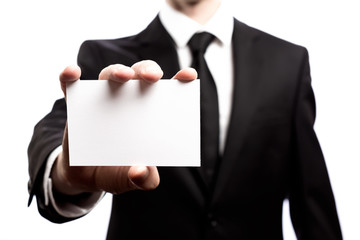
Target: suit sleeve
[48, 135]
[312, 205]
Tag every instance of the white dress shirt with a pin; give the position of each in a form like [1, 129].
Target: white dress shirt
[219, 59]
[218, 55]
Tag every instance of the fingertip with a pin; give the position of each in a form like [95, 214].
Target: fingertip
[138, 175]
[70, 73]
[152, 77]
[117, 73]
[148, 71]
[122, 74]
[191, 72]
[144, 178]
[136, 171]
[74, 68]
[152, 73]
[186, 74]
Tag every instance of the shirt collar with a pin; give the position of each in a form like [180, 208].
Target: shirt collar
[221, 25]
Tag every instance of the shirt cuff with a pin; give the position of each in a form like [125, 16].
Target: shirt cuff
[67, 206]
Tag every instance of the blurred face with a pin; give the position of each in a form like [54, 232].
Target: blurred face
[186, 3]
[199, 10]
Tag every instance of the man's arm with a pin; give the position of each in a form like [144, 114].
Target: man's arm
[47, 136]
[75, 183]
[312, 204]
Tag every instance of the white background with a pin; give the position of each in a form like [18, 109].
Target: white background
[39, 38]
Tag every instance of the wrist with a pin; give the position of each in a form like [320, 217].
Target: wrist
[60, 181]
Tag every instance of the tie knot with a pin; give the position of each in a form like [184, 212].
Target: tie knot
[200, 41]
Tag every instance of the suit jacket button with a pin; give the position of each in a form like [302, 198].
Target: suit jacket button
[213, 223]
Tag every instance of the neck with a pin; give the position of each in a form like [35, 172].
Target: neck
[198, 10]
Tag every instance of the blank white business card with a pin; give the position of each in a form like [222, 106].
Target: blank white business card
[134, 123]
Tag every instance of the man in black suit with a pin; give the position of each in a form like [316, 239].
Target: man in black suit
[267, 151]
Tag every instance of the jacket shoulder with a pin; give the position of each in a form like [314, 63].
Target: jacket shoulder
[267, 50]
[94, 55]
[264, 40]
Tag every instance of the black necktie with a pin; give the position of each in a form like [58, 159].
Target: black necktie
[209, 104]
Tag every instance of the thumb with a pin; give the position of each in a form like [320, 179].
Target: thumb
[144, 178]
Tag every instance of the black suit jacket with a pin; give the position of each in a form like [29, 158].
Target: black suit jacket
[271, 152]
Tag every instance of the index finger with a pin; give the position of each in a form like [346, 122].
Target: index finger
[147, 70]
[117, 72]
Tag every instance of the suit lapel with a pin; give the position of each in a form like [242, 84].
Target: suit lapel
[246, 82]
